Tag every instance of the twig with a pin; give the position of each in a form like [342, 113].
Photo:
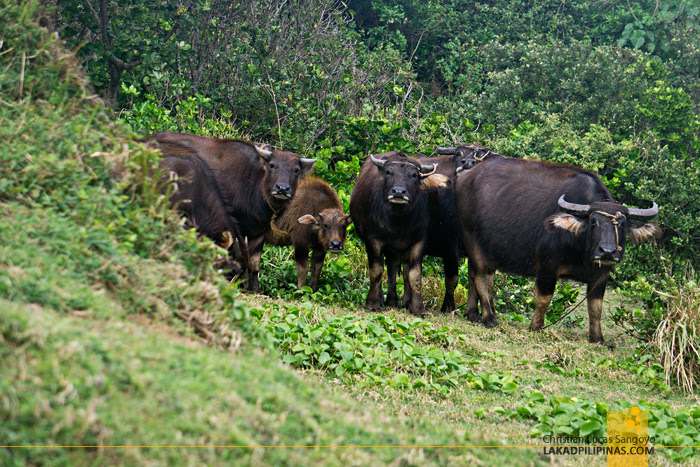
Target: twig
[198, 325]
[119, 63]
[416, 48]
[21, 74]
[632, 11]
[274, 100]
[561, 318]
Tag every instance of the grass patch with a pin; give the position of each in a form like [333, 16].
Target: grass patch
[122, 382]
[560, 383]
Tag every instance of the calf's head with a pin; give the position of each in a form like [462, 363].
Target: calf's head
[282, 172]
[331, 227]
[606, 225]
[465, 156]
[404, 178]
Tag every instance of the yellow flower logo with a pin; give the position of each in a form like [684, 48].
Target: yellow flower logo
[633, 420]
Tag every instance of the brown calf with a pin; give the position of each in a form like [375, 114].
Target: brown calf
[314, 220]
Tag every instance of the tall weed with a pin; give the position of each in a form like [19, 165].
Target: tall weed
[678, 336]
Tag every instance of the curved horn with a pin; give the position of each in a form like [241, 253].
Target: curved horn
[378, 162]
[643, 214]
[573, 208]
[441, 150]
[305, 161]
[481, 158]
[264, 153]
[424, 168]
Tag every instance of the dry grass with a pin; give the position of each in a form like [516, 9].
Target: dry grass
[678, 337]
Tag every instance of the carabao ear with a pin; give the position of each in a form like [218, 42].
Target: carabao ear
[434, 182]
[226, 239]
[308, 219]
[347, 221]
[564, 221]
[638, 232]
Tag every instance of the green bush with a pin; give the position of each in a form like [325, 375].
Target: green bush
[639, 315]
[286, 73]
[586, 84]
[669, 113]
[189, 115]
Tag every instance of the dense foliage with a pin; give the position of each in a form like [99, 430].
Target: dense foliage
[610, 86]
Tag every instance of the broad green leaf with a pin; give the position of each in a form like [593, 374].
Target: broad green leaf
[509, 387]
[400, 380]
[637, 38]
[589, 427]
[419, 384]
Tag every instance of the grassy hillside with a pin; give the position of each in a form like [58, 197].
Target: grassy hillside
[115, 331]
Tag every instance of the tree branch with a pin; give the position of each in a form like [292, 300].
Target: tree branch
[94, 13]
[121, 64]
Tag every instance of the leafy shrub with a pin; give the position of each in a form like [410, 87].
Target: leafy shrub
[514, 298]
[564, 299]
[378, 350]
[641, 364]
[584, 83]
[513, 295]
[445, 39]
[653, 25]
[647, 171]
[556, 140]
[640, 322]
[571, 417]
[687, 58]
[669, 113]
[287, 72]
[343, 278]
[190, 115]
